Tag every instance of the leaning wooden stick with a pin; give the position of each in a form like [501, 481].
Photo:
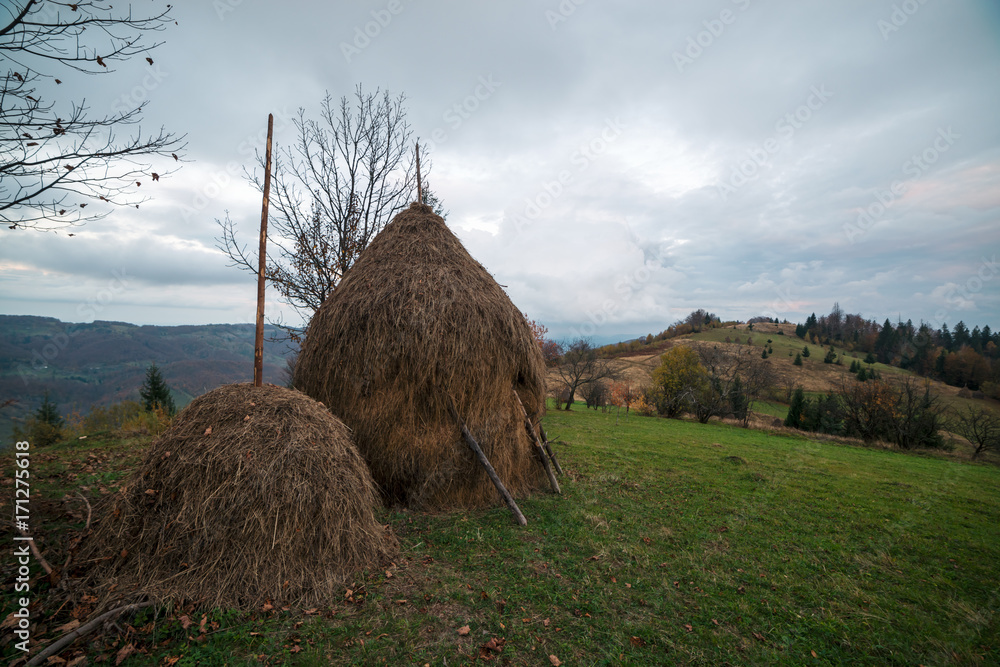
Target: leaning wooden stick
[542, 456]
[474, 446]
[545, 440]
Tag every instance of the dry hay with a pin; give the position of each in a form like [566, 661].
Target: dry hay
[415, 321]
[253, 494]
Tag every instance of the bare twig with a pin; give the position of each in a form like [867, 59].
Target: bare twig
[70, 637]
[38, 555]
[89, 510]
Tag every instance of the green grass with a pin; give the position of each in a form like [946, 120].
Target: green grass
[673, 543]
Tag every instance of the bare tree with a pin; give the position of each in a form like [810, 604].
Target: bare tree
[980, 426]
[341, 181]
[736, 378]
[581, 365]
[55, 163]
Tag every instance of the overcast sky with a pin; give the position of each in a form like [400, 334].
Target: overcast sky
[614, 165]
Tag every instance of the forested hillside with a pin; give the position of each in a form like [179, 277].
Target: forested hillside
[102, 362]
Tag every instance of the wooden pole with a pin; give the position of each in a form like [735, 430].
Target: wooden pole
[258, 348]
[542, 456]
[420, 187]
[474, 446]
[545, 441]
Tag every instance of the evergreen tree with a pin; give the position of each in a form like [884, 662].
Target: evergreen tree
[48, 412]
[831, 356]
[960, 336]
[885, 344]
[155, 392]
[976, 340]
[862, 375]
[939, 364]
[763, 353]
[854, 366]
[798, 360]
[800, 330]
[805, 351]
[739, 403]
[797, 407]
[869, 358]
[946, 340]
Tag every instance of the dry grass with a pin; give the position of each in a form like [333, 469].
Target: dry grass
[253, 494]
[415, 321]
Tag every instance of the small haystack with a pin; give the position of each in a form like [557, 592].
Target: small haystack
[253, 494]
[417, 320]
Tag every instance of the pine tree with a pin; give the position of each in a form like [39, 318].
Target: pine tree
[155, 393]
[862, 375]
[763, 354]
[48, 412]
[805, 351]
[798, 360]
[869, 358]
[795, 410]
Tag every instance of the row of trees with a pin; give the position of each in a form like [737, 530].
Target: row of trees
[960, 357]
[902, 414]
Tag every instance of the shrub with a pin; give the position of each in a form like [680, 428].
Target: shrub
[643, 407]
[798, 360]
[43, 428]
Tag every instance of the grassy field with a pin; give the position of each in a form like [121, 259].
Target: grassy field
[673, 543]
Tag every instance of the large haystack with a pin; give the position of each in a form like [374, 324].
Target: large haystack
[417, 320]
[253, 494]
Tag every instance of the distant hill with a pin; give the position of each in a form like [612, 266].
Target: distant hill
[103, 362]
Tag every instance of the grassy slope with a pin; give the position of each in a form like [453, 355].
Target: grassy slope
[674, 542]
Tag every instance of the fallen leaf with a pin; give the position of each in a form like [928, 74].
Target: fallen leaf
[689, 627]
[125, 652]
[69, 627]
[758, 636]
[149, 60]
[555, 661]
[185, 621]
[208, 431]
[814, 654]
[464, 630]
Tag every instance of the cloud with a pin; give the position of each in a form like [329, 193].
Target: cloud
[568, 211]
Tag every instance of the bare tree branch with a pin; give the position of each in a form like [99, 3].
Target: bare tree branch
[333, 189]
[54, 165]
